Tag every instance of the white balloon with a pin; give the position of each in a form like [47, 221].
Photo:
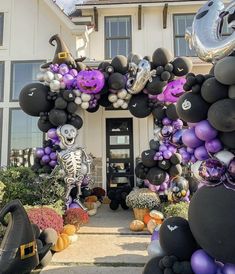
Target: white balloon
[154, 249]
[122, 94]
[112, 98]
[77, 92]
[85, 105]
[225, 156]
[124, 105]
[115, 105]
[49, 76]
[78, 100]
[120, 102]
[40, 76]
[59, 77]
[55, 85]
[85, 97]
[195, 170]
[62, 85]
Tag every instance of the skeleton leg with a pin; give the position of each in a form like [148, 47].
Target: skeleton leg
[78, 184]
[69, 186]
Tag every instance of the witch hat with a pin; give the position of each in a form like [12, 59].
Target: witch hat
[18, 253]
[62, 53]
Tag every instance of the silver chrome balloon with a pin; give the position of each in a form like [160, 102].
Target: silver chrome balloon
[139, 75]
[205, 34]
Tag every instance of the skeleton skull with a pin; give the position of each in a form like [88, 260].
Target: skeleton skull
[67, 134]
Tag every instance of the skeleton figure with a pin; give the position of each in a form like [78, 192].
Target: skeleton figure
[139, 75]
[73, 161]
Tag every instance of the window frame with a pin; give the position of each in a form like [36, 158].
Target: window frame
[11, 99]
[2, 29]
[11, 109]
[1, 131]
[106, 57]
[180, 36]
[3, 81]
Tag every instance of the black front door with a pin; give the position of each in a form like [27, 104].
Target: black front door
[119, 152]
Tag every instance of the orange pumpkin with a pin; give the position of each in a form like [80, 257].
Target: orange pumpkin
[62, 243]
[147, 218]
[69, 230]
[91, 199]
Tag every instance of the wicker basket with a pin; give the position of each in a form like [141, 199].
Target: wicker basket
[140, 212]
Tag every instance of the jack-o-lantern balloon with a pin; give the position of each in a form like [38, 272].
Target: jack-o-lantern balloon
[90, 81]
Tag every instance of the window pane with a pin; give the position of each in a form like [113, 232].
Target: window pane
[119, 153]
[119, 140]
[120, 167]
[24, 131]
[182, 48]
[1, 80]
[124, 26]
[117, 126]
[1, 28]
[23, 73]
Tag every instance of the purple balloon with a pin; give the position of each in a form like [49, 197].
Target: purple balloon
[68, 80]
[212, 170]
[167, 154]
[177, 137]
[190, 139]
[229, 269]
[202, 263]
[204, 131]
[172, 149]
[63, 69]
[193, 159]
[146, 182]
[186, 156]
[178, 124]
[51, 133]
[162, 148]
[166, 131]
[213, 146]
[155, 235]
[39, 152]
[85, 182]
[47, 150]
[73, 72]
[166, 121]
[74, 205]
[201, 153]
[163, 187]
[231, 168]
[53, 163]
[45, 159]
[54, 68]
[53, 156]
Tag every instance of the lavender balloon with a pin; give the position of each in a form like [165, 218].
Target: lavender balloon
[229, 269]
[51, 133]
[212, 170]
[213, 146]
[73, 72]
[177, 137]
[166, 131]
[204, 131]
[202, 263]
[63, 69]
[201, 153]
[53, 156]
[52, 163]
[167, 154]
[68, 80]
[231, 168]
[166, 121]
[190, 139]
[74, 205]
[155, 235]
[39, 153]
[45, 159]
[47, 150]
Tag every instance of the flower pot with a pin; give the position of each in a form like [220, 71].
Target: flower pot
[140, 212]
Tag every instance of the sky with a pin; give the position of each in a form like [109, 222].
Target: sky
[68, 5]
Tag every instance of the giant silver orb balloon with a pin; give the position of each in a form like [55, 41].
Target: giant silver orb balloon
[205, 35]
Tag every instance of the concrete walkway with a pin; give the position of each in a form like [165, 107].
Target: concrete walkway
[105, 245]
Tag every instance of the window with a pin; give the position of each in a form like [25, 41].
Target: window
[23, 73]
[24, 133]
[1, 80]
[181, 22]
[1, 27]
[117, 36]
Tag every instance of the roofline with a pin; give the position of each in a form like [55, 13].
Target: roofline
[143, 4]
[76, 29]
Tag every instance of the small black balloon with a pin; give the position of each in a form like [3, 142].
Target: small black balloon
[44, 126]
[92, 110]
[72, 107]
[156, 176]
[212, 90]
[221, 115]
[192, 108]
[155, 86]
[176, 238]
[164, 164]
[224, 70]
[68, 95]
[139, 105]
[165, 76]
[60, 103]
[182, 66]
[57, 117]
[33, 99]
[175, 170]
[161, 57]
[159, 112]
[104, 101]
[140, 172]
[147, 158]
[103, 65]
[152, 266]
[77, 122]
[196, 88]
[119, 63]
[114, 204]
[176, 158]
[171, 112]
[116, 81]
[154, 144]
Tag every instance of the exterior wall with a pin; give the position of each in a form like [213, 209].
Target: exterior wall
[28, 25]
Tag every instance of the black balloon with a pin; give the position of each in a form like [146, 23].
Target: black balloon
[212, 222]
[176, 238]
[212, 90]
[60, 103]
[139, 105]
[103, 65]
[152, 266]
[68, 95]
[140, 171]
[104, 101]
[224, 70]
[176, 159]
[92, 110]
[43, 125]
[114, 204]
[192, 108]
[228, 139]
[221, 115]
[161, 57]
[119, 64]
[76, 121]
[231, 92]
[147, 158]
[164, 164]
[116, 81]
[33, 99]
[154, 144]
[72, 107]
[155, 86]
[175, 170]
[182, 66]
[57, 117]
[159, 112]
[156, 176]
[171, 112]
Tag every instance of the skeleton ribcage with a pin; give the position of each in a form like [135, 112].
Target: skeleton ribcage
[71, 162]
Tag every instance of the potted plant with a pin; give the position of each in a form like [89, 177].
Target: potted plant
[142, 201]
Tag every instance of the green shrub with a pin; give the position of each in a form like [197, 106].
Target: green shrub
[178, 209]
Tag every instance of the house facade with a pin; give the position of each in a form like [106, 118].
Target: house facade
[99, 30]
